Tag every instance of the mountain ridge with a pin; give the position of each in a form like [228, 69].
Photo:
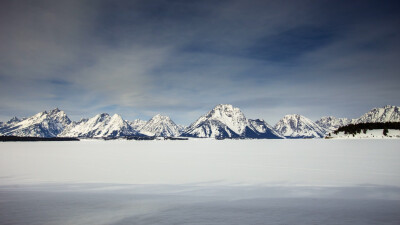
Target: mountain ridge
[160, 126]
[298, 126]
[226, 121]
[223, 121]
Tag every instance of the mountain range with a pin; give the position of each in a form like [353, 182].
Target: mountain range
[223, 121]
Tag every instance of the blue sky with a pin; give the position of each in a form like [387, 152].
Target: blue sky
[181, 58]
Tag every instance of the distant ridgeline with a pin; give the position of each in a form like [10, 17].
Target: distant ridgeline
[363, 127]
[224, 121]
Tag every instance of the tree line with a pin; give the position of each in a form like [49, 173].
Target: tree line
[17, 138]
[363, 127]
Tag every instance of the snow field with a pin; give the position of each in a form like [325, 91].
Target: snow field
[228, 162]
[201, 181]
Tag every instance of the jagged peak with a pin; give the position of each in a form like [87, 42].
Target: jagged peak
[224, 109]
[384, 107]
[102, 115]
[139, 121]
[56, 110]
[14, 119]
[160, 117]
[390, 106]
[331, 118]
[328, 117]
[298, 126]
[257, 120]
[224, 106]
[160, 125]
[117, 116]
[388, 113]
[39, 115]
[294, 116]
[293, 120]
[83, 120]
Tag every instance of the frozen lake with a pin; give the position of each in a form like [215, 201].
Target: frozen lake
[201, 182]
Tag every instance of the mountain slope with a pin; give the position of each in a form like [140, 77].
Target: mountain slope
[160, 126]
[261, 129]
[226, 121]
[44, 124]
[101, 125]
[297, 126]
[137, 124]
[12, 121]
[330, 123]
[380, 115]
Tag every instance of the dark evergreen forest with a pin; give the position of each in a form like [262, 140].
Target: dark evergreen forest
[363, 127]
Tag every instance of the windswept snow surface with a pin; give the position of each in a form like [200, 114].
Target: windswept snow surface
[201, 181]
[248, 162]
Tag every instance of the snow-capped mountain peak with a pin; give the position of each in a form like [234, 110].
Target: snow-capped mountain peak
[331, 123]
[387, 113]
[59, 116]
[224, 120]
[137, 124]
[297, 126]
[101, 125]
[160, 117]
[43, 124]
[231, 116]
[160, 125]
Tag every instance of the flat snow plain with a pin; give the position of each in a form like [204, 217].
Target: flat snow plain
[201, 181]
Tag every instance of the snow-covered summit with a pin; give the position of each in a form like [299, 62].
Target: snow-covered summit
[230, 116]
[387, 113]
[59, 116]
[297, 126]
[137, 124]
[101, 125]
[43, 124]
[161, 126]
[224, 120]
[331, 123]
